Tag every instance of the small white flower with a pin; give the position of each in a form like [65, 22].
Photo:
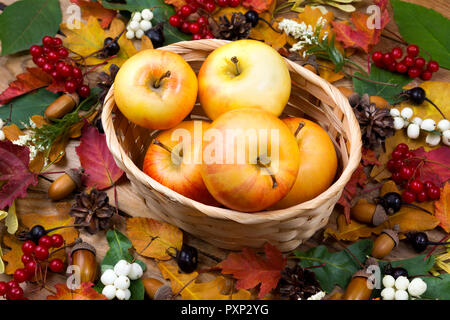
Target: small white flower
[407, 113]
[134, 25]
[388, 293]
[401, 295]
[318, 296]
[395, 112]
[417, 121]
[130, 34]
[388, 281]
[122, 282]
[413, 131]
[401, 283]
[136, 16]
[109, 292]
[135, 272]
[108, 277]
[139, 34]
[417, 287]
[443, 125]
[433, 139]
[399, 123]
[122, 268]
[145, 25]
[147, 14]
[2, 135]
[446, 137]
[428, 125]
[2, 123]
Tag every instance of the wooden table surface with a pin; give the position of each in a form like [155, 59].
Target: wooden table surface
[38, 202]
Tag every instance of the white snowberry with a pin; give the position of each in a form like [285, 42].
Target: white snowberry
[127, 294]
[147, 14]
[413, 131]
[139, 34]
[108, 277]
[417, 287]
[401, 295]
[443, 125]
[122, 268]
[136, 17]
[428, 125]
[395, 112]
[401, 283]
[135, 272]
[388, 293]
[122, 294]
[130, 34]
[407, 113]
[417, 120]
[134, 25]
[122, 282]
[399, 123]
[145, 25]
[433, 139]
[2, 135]
[388, 281]
[446, 137]
[109, 292]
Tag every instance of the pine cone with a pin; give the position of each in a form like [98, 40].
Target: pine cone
[235, 29]
[105, 81]
[376, 123]
[298, 283]
[92, 210]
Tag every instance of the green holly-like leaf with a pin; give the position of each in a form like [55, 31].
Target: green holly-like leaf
[375, 89]
[161, 13]
[424, 27]
[338, 267]
[419, 265]
[25, 22]
[24, 107]
[119, 247]
[437, 287]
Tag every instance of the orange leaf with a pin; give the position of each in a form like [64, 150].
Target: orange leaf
[141, 231]
[251, 269]
[369, 157]
[12, 132]
[442, 208]
[176, 3]
[95, 9]
[328, 73]
[85, 292]
[257, 5]
[264, 33]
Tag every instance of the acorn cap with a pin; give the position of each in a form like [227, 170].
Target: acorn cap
[379, 216]
[393, 234]
[75, 175]
[361, 274]
[74, 97]
[163, 293]
[83, 246]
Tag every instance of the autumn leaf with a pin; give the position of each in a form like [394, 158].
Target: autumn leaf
[85, 292]
[442, 208]
[13, 257]
[33, 79]
[433, 165]
[326, 71]
[358, 179]
[257, 5]
[361, 35]
[264, 33]
[14, 169]
[94, 9]
[251, 269]
[176, 3]
[212, 290]
[50, 221]
[141, 231]
[369, 158]
[100, 169]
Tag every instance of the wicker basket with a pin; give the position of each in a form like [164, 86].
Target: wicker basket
[311, 97]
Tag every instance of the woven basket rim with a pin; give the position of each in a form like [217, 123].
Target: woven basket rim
[228, 214]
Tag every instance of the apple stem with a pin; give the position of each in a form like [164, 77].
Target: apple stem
[235, 61]
[162, 145]
[300, 126]
[157, 83]
[265, 166]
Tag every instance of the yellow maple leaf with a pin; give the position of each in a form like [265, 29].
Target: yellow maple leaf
[192, 290]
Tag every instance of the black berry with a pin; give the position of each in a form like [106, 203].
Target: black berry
[111, 47]
[36, 233]
[156, 35]
[187, 258]
[252, 17]
[416, 95]
[391, 202]
[395, 272]
[418, 240]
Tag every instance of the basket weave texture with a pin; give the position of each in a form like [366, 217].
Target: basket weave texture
[311, 97]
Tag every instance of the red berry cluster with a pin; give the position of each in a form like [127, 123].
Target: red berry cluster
[199, 28]
[404, 170]
[54, 59]
[411, 63]
[32, 256]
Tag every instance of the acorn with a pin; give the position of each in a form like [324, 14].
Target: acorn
[385, 243]
[84, 256]
[156, 290]
[358, 288]
[61, 106]
[366, 212]
[65, 184]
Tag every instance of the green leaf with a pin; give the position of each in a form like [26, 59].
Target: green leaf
[424, 27]
[26, 22]
[339, 266]
[437, 288]
[161, 13]
[415, 266]
[137, 290]
[24, 107]
[375, 89]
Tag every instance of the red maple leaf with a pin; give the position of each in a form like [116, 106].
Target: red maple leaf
[358, 178]
[85, 292]
[362, 35]
[35, 78]
[369, 158]
[95, 9]
[433, 165]
[14, 170]
[100, 169]
[257, 5]
[251, 269]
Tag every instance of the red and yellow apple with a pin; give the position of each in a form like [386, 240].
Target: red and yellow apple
[174, 160]
[317, 166]
[250, 159]
[155, 89]
[243, 74]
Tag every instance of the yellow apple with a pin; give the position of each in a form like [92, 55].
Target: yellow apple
[250, 159]
[318, 162]
[174, 160]
[243, 74]
[155, 89]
